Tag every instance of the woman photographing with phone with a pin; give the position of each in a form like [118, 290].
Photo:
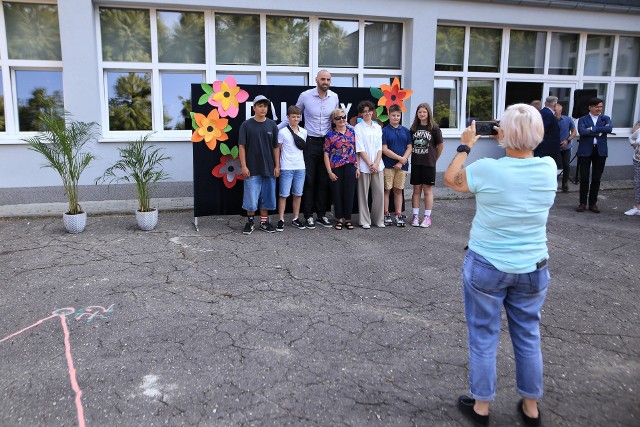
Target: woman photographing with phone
[506, 264]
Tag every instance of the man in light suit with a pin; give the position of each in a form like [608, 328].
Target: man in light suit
[592, 153]
[550, 145]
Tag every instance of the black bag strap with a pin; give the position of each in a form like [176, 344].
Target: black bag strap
[300, 143]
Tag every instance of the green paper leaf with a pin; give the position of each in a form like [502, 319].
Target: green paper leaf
[203, 99]
[224, 149]
[194, 125]
[383, 118]
[379, 110]
[206, 88]
[376, 92]
[234, 151]
[228, 128]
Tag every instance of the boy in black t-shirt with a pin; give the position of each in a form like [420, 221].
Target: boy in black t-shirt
[259, 154]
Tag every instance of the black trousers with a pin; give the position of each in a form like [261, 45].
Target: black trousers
[565, 157]
[315, 196]
[593, 164]
[343, 191]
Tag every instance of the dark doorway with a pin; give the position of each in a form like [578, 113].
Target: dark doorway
[522, 92]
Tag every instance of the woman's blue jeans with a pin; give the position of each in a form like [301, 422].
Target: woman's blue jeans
[486, 290]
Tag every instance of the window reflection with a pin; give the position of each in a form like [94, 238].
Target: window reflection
[37, 92]
[628, 63]
[287, 41]
[449, 48]
[2, 119]
[176, 98]
[485, 46]
[181, 37]
[241, 78]
[563, 57]
[526, 51]
[32, 31]
[597, 61]
[129, 100]
[287, 79]
[445, 103]
[624, 100]
[237, 39]
[126, 35]
[338, 43]
[480, 100]
[382, 45]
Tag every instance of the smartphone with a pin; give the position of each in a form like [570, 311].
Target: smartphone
[486, 128]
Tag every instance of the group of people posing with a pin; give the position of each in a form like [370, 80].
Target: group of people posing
[330, 154]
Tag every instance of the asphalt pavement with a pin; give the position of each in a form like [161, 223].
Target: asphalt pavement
[120, 327]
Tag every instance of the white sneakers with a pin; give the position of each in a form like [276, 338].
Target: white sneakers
[633, 211]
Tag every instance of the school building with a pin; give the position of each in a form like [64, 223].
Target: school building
[128, 66]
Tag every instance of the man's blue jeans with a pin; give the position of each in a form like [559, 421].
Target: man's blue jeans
[486, 290]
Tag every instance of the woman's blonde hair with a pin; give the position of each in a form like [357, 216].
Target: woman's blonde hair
[522, 127]
[337, 112]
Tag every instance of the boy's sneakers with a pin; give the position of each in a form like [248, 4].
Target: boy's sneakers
[248, 228]
[324, 221]
[415, 221]
[426, 221]
[298, 224]
[310, 224]
[387, 219]
[267, 226]
[280, 226]
[399, 220]
[633, 211]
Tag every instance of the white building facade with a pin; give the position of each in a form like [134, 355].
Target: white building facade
[128, 65]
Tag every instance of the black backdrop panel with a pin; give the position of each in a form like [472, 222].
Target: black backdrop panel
[581, 99]
[210, 195]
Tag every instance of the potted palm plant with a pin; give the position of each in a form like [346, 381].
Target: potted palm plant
[139, 163]
[61, 142]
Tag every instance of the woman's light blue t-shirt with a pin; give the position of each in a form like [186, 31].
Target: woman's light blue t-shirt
[513, 198]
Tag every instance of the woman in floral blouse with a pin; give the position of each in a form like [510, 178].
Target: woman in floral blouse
[340, 161]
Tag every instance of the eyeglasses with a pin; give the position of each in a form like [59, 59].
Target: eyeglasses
[340, 118]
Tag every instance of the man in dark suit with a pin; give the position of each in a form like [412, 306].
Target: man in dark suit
[550, 145]
[592, 152]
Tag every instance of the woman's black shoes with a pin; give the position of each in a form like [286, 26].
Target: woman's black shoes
[528, 421]
[465, 404]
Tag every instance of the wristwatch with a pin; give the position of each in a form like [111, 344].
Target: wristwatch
[463, 148]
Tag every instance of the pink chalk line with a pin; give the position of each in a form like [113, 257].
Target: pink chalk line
[27, 328]
[72, 371]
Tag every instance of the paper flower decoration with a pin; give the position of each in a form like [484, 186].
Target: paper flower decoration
[225, 95]
[229, 169]
[210, 128]
[389, 95]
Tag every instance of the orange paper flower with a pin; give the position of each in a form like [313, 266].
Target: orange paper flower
[394, 95]
[210, 129]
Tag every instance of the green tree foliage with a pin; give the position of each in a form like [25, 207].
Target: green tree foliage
[185, 113]
[32, 31]
[237, 39]
[287, 41]
[2, 119]
[449, 48]
[480, 102]
[183, 43]
[336, 47]
[126, 35]
[39, 104]
[130, 109]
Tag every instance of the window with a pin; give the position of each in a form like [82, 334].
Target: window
[628, 63]
[563, 58]
[181, 37]
[237, 39]
[526, 51]
[624, 105]
[536, 64]
[445, 103]
[287, 41]
[598, 55]
[338, 43]
[150, 57]
[449, 48]
[32, 65]
[176, 98]
[382, 45]
[484, 49]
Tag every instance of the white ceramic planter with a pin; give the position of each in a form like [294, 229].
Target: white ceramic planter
[147, 221]
[75, 223]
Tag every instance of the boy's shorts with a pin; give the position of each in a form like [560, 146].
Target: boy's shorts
[259, 188]
[423, 175]
[394, 178]
[291, 181]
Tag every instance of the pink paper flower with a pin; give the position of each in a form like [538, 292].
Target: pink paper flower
[227, 96]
